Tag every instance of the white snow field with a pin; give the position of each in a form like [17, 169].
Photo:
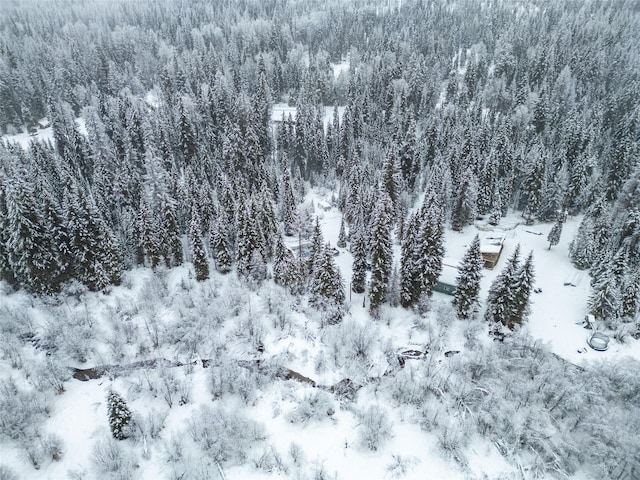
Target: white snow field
[305, 431]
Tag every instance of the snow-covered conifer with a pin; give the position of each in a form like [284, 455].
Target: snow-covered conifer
[381, 253]
[198, 253]
[359, 252]
[465, 299]
[465, 205]
[220, 248]
[342, 236]
[409, 267]
[501, 297]
[118, 414]
[327, 287]
[554, 234]
[430, 243]
[285, 267]
[522, 290]
[288, 205]
[172, 246]
[605, 299]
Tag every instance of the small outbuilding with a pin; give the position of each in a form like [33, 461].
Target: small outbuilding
[447, 280]
[491, 248]
[43, 123]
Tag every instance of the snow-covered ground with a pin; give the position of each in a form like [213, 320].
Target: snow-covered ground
[42, 135]
[227, 314]
[283, 110]
[555, 311]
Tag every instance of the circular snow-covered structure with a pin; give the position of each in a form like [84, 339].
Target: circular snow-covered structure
[599, 341]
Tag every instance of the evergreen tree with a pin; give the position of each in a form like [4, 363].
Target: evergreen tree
[198, 253]
[285, 267]
[171, 243]
[6, 270]
[257, 272]
[327, 287]
[266, 221]
[359, 252]
[288, 205]
[467, 291]
[501, 305]
[554, 234]
[630, 295]
[247, 241]
[465, 204]
[393, 293]
[187, 137]
[430, 244]
[392, 178]
[522, 290]
[582, 247]
[605, 300]
[27, 243]
[381, 253]
[342, 237]
[409, 266]
[533, 185]
[97, 261]
[317, 246]
[61, 258]
[149, 235]
[220, 248]
[119, 415]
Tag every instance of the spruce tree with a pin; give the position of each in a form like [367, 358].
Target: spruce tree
[61, 258]
[582, 247]
[381, 253]
[532, 189]
[409, 266]
[317, 246]
[465, 205]
[285, 267]
[522, 290]
[220, 248]
[6, 271]
[630, 295]
[359, 252]
[150, 237]
[502, 293]
[554, 234]
[97, 260]
[27, 245]
[342, 236]
[467, 291]
[605, 301]
[327, 287]
[430, 244]
[267, 222]
[119, 415]
[172, 245]
[247, 241]
[257, 272]
[392, 177]
[288, 205]
[188, 142]
[198, 253]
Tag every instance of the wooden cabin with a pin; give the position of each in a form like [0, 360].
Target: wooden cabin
[491, 248]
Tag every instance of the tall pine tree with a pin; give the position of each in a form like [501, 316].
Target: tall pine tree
[467, 292]
[196, 245]
[381, 252]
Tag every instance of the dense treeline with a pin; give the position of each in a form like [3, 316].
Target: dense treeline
[528, 106]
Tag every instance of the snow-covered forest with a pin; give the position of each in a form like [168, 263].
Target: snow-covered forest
[226, 228]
